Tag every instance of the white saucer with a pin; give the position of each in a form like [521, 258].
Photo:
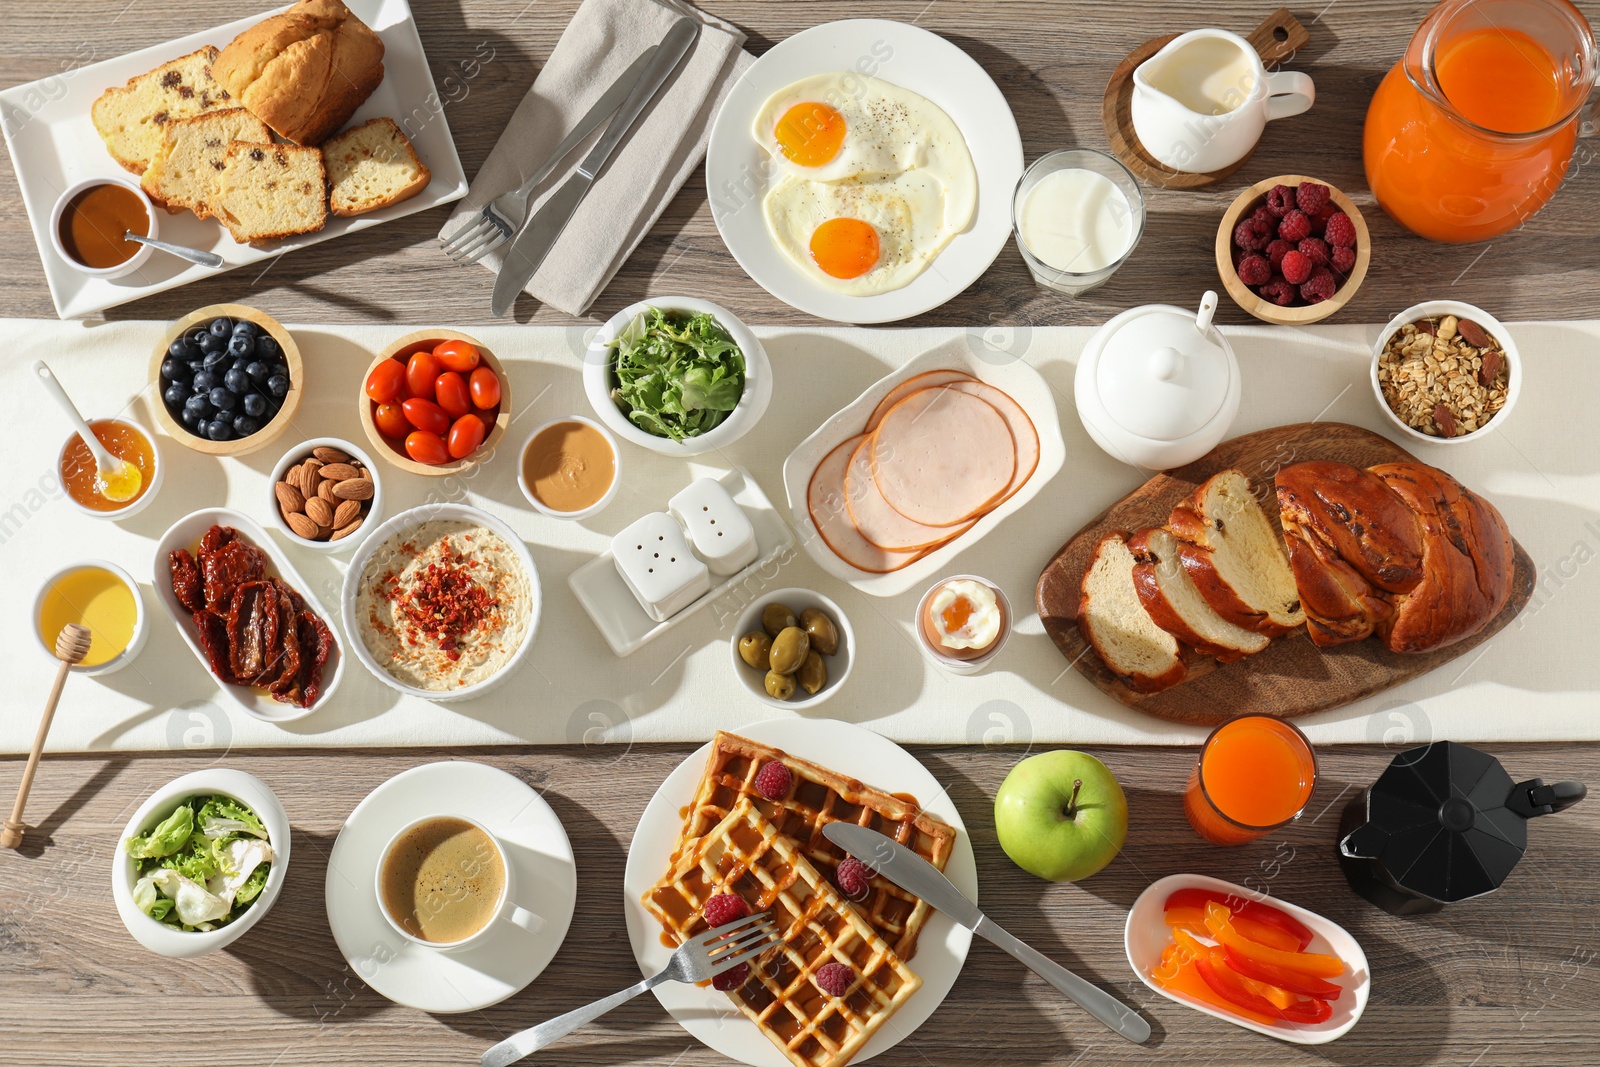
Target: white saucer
[709, 1015]
[424, 978]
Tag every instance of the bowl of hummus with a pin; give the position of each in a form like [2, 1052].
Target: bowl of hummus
[444, 602]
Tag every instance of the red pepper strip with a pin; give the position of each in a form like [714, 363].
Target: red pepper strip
[1231, 988]
[1177, 974]
[1195, 919]
[1313, 963]
[1242, 908]
[1282, 977]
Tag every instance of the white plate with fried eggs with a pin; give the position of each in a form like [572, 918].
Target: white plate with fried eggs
[862, 171]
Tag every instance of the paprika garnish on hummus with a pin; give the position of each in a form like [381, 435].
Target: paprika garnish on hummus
[443, 605]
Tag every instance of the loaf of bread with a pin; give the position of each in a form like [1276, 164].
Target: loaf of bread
[1233, 553]
[132, 119]
[187, 173]
[304, 72]
[272, 191]
[1175, 604]
[371, 166]
[1114, 621]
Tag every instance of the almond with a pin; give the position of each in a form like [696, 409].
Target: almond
[1489, 370]
[291, 478]
[290, 499]
[353, 489]
[325, 489]
[319, 511]
[347, 512]
[345, 531]
[366, 475]
[1444, 419]
[302, 526]
[330, 455]
[339, 472]
[1473, 334]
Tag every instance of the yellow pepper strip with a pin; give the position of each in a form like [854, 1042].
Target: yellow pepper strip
[1223, 932]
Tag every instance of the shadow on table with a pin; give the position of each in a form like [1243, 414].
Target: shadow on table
[40, 834]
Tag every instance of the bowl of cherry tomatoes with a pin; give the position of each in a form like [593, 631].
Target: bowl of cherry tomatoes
[435, 402]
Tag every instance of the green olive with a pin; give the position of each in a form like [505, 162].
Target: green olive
[813, 674]
[779, 686]
[775, 618]
[754, 648]
[824, 635]
[789, 650]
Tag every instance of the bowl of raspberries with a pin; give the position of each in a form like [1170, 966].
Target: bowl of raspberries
[1292, 250]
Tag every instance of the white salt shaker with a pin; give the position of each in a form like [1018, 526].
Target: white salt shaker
[718, 528]
[659, 567]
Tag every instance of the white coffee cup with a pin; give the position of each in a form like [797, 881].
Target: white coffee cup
[505, 910]
[1201, 103]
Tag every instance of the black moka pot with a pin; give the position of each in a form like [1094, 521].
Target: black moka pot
[1443, 823]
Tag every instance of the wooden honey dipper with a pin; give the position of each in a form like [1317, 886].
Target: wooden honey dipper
[71, 646]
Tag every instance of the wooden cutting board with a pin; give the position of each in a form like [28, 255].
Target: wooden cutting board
[1290, 677]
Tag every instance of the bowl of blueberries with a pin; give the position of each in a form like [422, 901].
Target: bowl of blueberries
[228, 378]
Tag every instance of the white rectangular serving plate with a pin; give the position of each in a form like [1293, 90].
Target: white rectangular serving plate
[186, 533]
[1002, 370]
[616, 612]
[53, 145]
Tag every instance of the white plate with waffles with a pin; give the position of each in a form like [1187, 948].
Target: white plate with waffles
[850, 751]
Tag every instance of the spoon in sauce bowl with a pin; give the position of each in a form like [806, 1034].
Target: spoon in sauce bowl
[115, 478]
[193, 255]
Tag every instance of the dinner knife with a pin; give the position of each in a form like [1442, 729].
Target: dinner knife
[530, 247]
[917, 876]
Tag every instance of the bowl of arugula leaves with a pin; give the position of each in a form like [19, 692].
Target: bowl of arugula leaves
[677, 375]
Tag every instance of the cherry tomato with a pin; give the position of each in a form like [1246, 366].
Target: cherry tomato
[426, 415]
[461, 356]
[391, 420]
[386, 381]
[485, 388]
[466, 434]
[450, 390]
[421, 370]
[427, 447]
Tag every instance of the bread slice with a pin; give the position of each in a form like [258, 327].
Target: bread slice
[272, 191]
[1175, 604]
[1115, 622]
[132, 119]
[1235, 556]
[371, 166]
[188, 172]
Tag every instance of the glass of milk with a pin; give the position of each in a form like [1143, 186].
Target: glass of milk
[1077, 215]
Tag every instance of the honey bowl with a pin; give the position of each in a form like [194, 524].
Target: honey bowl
[127, 440]
[101, 596]
[89, 219]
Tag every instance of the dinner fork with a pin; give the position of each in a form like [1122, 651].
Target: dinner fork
[501, 217]
[697, 960]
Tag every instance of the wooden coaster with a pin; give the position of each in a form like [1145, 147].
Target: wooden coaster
[1278, 38]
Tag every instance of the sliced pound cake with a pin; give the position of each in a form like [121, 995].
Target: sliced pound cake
[1114, 620]
[132, 119]
[1235, 556]
[188, 172]
[371, 166]
[272, 191]
[1175, 603]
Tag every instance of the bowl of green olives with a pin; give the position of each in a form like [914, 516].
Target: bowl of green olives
[793, 648]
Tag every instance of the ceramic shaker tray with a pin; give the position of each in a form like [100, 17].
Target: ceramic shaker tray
[1291, 676]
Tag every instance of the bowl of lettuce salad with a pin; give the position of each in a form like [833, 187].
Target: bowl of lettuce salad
[200, 862]
[677, 375]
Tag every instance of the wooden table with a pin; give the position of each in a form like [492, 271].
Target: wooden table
[1506, 980]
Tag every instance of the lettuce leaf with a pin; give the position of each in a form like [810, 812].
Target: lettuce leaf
[169, 835]
[222, 815]
[676, 375]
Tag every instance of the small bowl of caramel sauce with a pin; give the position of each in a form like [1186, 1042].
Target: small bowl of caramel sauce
[90, 219]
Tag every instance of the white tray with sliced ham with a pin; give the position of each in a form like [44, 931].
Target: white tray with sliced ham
[922, 465]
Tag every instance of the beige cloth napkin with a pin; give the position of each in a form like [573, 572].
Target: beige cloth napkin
[644, 173]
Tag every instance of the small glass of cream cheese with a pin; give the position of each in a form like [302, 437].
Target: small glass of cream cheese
[1077, 215]
[962, 623]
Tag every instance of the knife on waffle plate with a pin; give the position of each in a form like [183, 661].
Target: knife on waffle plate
[917, 876]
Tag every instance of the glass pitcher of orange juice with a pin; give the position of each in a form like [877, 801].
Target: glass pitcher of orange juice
[1472, 131]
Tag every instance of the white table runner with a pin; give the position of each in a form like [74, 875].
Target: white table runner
[1535, 681]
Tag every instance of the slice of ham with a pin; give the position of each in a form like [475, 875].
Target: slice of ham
[943, 457]
[1023, 433]
[917, 381]
[825, 501]
[874, 518]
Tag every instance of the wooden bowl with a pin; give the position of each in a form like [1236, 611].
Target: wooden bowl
[1266, 310]
[263, 437]
[393, 451]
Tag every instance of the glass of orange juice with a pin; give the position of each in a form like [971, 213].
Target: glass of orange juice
[1255, 774]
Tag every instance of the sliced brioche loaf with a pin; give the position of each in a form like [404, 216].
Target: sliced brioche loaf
[1175, 604]
[371, 166]
[188, 171]
[1235, 556]
[132, 119]
[272, 191]
[1115, 622]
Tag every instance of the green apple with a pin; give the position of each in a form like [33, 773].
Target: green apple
[1061, 815]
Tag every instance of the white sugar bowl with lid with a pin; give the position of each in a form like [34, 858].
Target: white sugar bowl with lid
[1158, 386]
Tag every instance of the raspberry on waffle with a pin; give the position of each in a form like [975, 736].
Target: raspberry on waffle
[745, 854]
[816, 797]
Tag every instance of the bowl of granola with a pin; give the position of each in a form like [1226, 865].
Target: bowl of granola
[1445, 372]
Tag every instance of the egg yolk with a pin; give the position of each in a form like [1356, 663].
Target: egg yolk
[845, 248]
[810, 134]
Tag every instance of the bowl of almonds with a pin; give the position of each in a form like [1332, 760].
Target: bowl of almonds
[1446, 372]
[326, 495]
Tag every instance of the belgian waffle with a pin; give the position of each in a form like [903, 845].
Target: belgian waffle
[746, 855]
[817, 797]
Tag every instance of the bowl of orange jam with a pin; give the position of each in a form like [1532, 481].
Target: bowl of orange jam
[101, 596]
[79, 476]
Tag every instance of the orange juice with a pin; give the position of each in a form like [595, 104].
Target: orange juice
[1254, 774]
